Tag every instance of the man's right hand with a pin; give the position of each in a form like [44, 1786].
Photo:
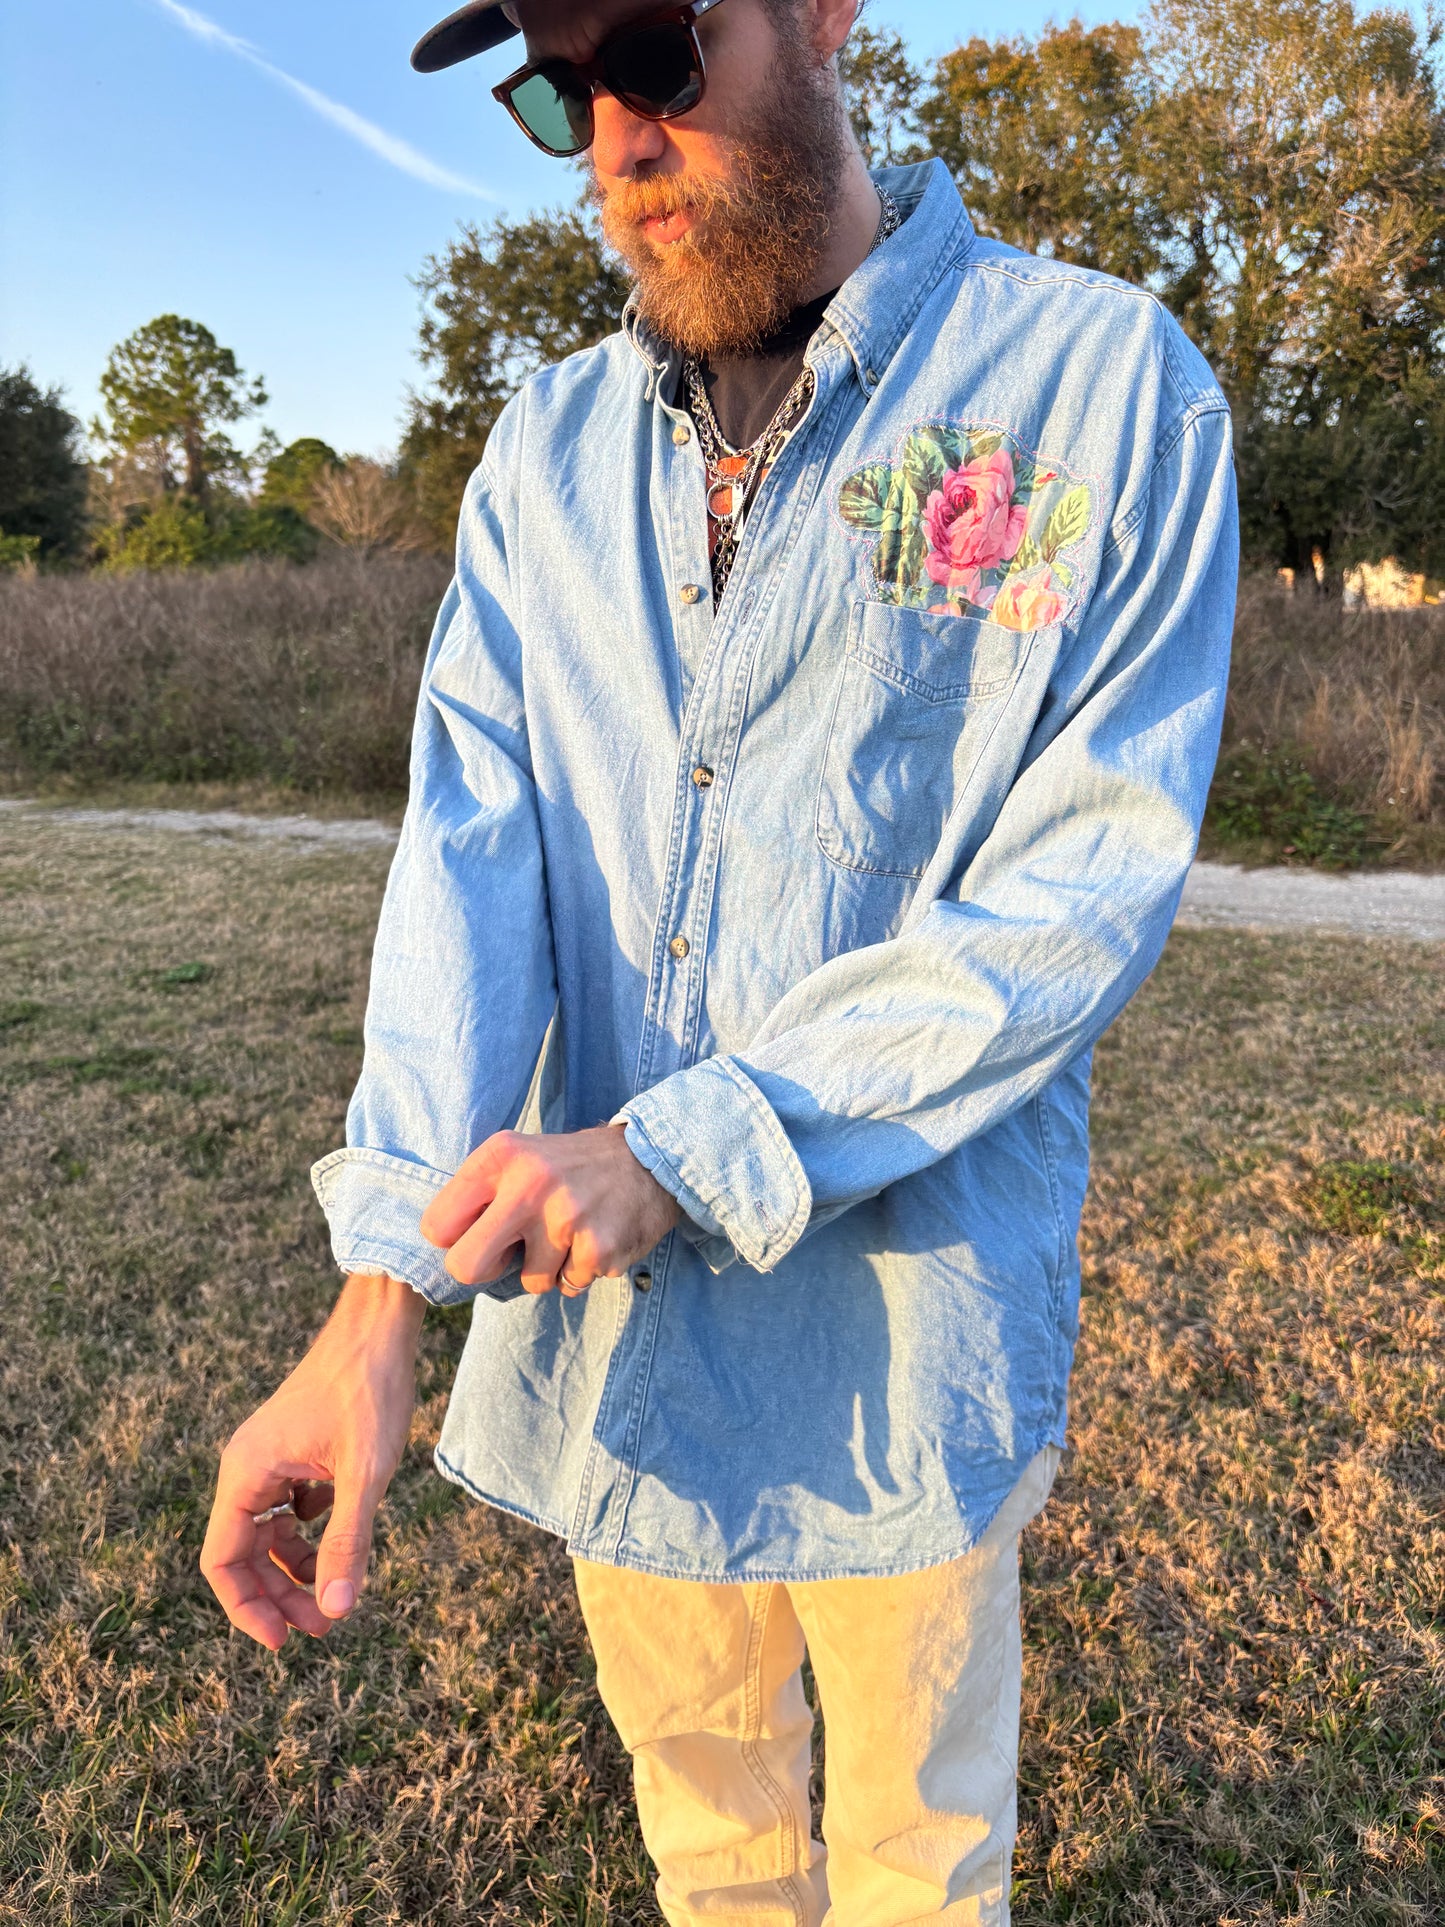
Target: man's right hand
[342, 1418]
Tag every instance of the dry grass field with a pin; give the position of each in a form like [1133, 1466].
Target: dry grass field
[266, 680]
[1235, 1702]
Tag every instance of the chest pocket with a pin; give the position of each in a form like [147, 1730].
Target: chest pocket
[918, 696]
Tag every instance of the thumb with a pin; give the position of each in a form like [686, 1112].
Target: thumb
[345, 1546]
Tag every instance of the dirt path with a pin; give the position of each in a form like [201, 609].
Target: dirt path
[1382, 903]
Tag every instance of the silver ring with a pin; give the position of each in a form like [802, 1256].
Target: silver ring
[273, 1512]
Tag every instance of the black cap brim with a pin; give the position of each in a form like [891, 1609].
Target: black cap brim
[470, 30]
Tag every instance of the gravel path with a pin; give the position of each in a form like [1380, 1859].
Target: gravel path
[1381, 903]
[352, 832]
[1378, 903]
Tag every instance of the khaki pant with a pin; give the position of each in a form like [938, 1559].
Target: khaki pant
[918, 1677]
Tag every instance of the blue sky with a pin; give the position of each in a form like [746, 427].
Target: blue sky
[275, 171]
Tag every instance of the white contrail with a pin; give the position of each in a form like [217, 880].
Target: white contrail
[387, 147]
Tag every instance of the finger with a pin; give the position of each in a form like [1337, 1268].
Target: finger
[264, 1601]
[293, 1554]
[236, 1548]
[463, 1199]
[485, 1251]
[345, 1547]
[543, 1259]
[291, 1600]
[579, 1269]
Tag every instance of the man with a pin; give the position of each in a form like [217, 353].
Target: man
[810, 752]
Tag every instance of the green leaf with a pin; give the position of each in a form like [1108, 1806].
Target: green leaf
[1068, 523]
[945, 447]
[886, 559]
[982, 446]
[903, 545]
[1028, 556]
[924, 465]
[862, 497]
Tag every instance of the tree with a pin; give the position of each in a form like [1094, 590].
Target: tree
[1275, 171]
[292, 474]
[170, 390]
[499, 303]
[361, 505]
[43, 478]
[1049, 141]
[1307, 193]
[882, 87]
[1303, 160]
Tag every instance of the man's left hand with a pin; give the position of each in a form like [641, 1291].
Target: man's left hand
[579, 1204]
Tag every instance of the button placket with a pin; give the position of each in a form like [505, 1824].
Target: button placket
[713, 715]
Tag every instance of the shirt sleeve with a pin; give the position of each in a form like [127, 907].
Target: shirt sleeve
[463, 980]
[888, 1057]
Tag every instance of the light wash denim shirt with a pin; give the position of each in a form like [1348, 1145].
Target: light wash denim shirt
[828, 895]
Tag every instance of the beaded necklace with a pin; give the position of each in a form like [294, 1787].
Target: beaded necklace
[735, 474]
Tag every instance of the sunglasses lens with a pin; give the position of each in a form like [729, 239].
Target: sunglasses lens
[655, 72]
[555, 107]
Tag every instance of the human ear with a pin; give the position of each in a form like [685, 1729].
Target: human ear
[829, 25]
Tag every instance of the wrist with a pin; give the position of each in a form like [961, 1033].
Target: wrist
[378, 1302]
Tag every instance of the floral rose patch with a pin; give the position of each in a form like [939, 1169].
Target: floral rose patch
[969, 522]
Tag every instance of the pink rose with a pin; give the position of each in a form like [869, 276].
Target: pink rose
[973, 522]
[1028, 600]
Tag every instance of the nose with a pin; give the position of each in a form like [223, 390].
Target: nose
[623, 139]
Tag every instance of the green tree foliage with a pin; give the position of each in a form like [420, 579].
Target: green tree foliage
[1275, 171]
[176, 480]
[170, 390]
[500, 302]
[1047, 140]
[43, 478]
[173, 533]
[178, 533]
[1306, 201]
[1304, 162]
[292, 474]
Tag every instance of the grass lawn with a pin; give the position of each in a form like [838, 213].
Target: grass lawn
[1235, 1698]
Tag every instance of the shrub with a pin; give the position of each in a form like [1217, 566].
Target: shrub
[178, 533]
[1269, 797]
[18, 551]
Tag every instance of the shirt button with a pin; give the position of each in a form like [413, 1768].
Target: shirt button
[702, 777]
[872, 377]
[679, 947]
[642, 1278]
[691, 592]
[682, 434]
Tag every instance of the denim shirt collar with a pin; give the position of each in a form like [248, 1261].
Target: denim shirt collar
[876, 306]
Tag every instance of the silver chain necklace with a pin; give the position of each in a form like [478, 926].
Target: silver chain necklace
[741, 486]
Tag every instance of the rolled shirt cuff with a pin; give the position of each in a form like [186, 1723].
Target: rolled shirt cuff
[711, 1139]
[373, 1202]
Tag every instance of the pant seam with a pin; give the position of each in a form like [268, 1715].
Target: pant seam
[752, 1731]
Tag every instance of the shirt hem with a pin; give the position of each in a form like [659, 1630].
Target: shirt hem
[624, 1559]
[457, 1477]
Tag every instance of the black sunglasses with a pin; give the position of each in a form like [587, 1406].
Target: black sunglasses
[654, 67]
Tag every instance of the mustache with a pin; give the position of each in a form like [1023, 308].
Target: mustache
[655, 196]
